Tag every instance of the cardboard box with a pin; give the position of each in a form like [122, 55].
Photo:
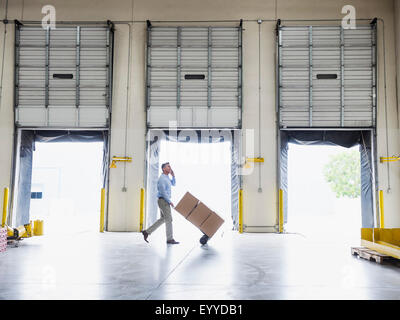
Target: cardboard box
[211, 224]
[199, 214]
[186, 204]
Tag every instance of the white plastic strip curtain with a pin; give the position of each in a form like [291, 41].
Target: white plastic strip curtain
[194, 77]
[154, 138]
[63, 76]
[327, 76]
[345, 139]
[24, 179]
[26, 148]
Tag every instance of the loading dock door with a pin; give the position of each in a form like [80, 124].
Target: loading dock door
[327, 76]
[347, 139]
[194, 77]
[63, 76]
[28, 138]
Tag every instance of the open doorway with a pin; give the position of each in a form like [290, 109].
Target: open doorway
[324, 197]
[205, 169]
[58, 179]
[66, 184]
[328, 181]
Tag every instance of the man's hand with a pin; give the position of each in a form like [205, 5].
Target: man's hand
[172, 205]
[172, 173]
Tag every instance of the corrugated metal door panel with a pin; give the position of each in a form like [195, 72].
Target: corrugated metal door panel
[94, 37]
[193, 61]
[157, 115]
[326, 77]
[31, 62]
[32, 116]
[164, 58]
[224, 117]
[200, 117]
[94, 60]
[62, 116]
[32, 57]
[93, 116]
[33, 37]
[63, 37]
[191, 71]
[164, 37]
[358, 77]
[194, 37]
[76, 91]
[225, 36]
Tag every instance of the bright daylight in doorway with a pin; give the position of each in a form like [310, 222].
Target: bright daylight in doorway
[69, 176]
[314, 209]
[205, 171]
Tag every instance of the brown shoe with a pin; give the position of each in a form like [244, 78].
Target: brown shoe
[145, 235]
[172, 241]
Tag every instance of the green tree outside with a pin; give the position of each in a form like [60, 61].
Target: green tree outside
[342, 172]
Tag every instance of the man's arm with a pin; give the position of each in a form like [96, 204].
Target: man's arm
[173, 181]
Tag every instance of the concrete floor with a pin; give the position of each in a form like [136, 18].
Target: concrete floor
[232, 266]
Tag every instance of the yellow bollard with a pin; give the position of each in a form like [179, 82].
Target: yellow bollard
[281, 218]
[5, 207]
[38, 227]
[103, 196]
[29, 231]
[241, 211]
[141, 218]
[381, 210]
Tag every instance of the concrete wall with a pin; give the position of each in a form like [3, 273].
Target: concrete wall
[260, 208]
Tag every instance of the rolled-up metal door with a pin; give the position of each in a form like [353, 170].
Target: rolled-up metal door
[327, 76]
[63, 76]
[194, 76]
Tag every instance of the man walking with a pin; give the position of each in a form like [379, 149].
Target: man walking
[164, 203]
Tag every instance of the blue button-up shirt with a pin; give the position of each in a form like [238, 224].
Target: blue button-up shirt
[164, 187]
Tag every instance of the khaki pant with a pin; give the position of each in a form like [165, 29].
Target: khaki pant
[166, 217]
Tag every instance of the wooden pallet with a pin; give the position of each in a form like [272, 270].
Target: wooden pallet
[369, 254]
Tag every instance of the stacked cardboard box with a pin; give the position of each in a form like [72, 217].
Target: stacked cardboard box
[199, 214]
[3, 239]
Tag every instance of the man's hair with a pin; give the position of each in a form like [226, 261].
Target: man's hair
[163, 165]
